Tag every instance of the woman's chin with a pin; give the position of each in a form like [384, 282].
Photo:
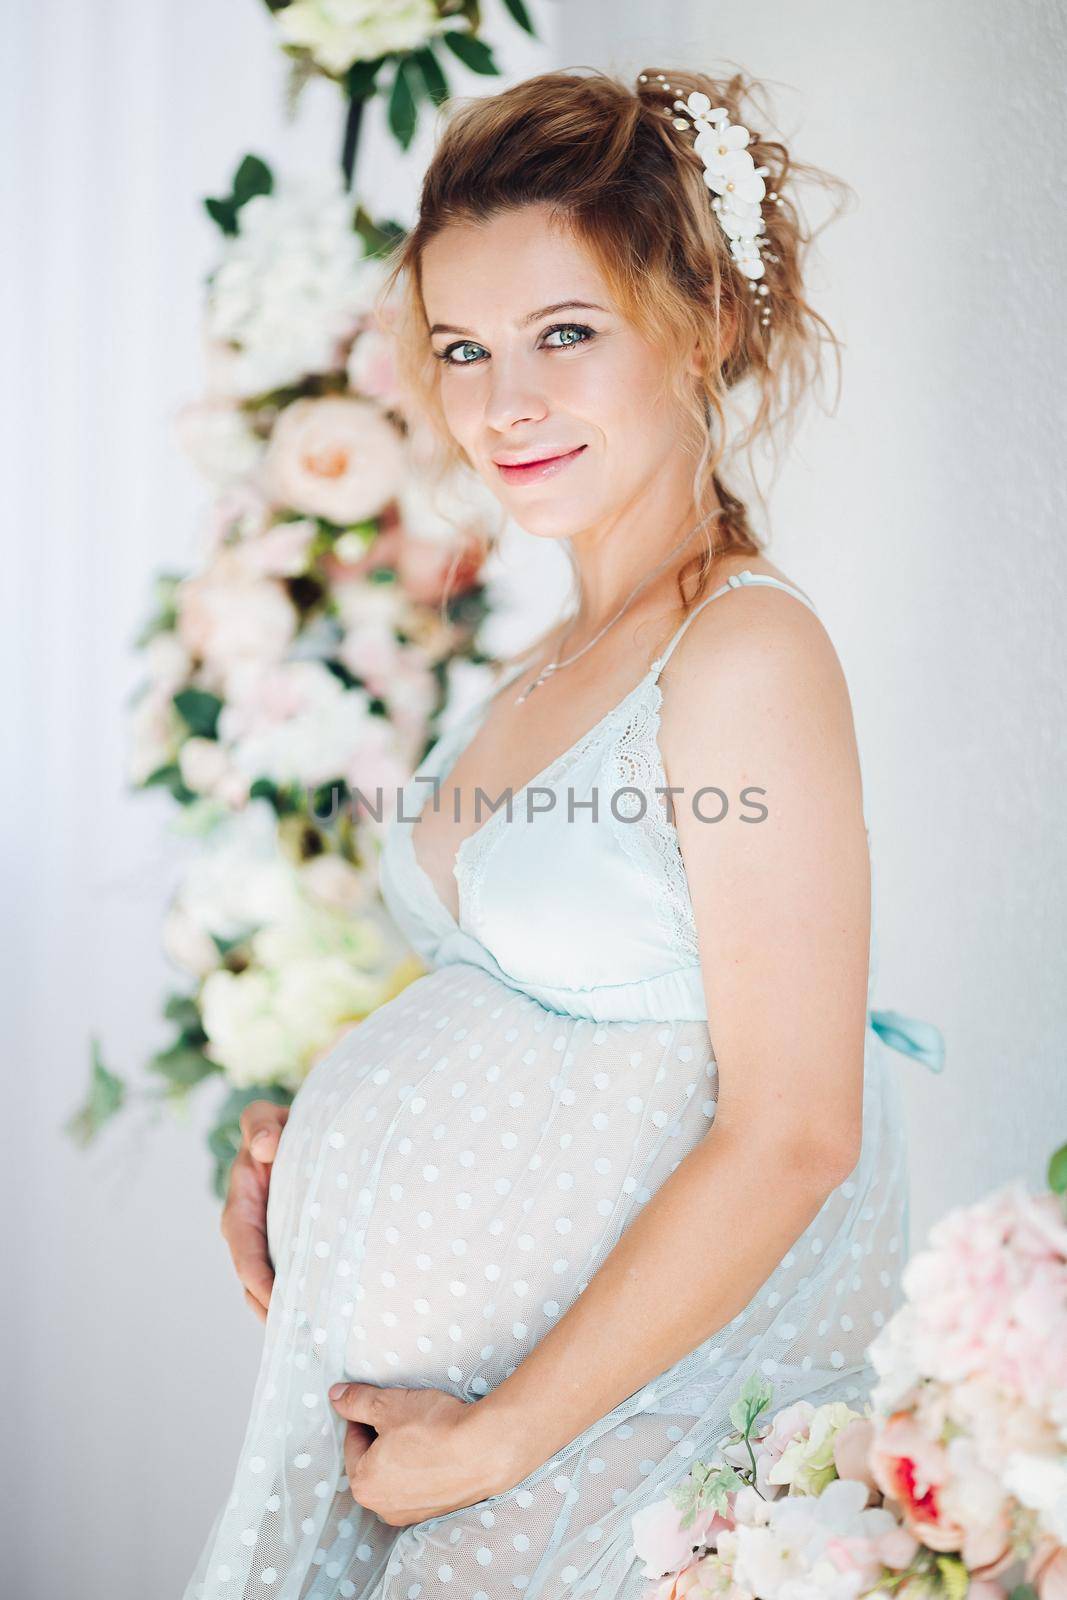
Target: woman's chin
[551, 520]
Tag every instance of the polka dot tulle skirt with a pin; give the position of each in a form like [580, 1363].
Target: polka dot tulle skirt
[451, 1176]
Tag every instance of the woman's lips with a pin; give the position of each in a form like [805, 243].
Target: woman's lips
[535, 470]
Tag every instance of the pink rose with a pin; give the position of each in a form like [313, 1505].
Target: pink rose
[225, 617]
[281, 552]
[910, 1469]
[1046, 1569]
[338, 457]
[852, 1447]
[424, 566]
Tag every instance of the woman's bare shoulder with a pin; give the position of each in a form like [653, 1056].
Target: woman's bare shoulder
[756, 654]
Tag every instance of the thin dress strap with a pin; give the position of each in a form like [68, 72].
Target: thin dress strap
[736, 581]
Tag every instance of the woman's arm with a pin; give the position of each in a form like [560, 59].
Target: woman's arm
[782, 909]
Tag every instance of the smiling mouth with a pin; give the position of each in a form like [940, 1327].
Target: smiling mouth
[526, 471]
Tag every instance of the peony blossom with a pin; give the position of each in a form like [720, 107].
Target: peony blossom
[338, 457]
[225, 617]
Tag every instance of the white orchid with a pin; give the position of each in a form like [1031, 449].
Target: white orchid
[733, 177]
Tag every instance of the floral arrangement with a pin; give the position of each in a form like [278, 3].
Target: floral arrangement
[352, 41]
[294, 679]
[955, 1471]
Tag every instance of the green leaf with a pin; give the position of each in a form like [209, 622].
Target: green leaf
[432, 74]
[200, 710]
[183, 1010]
[474, 53]
[955, 1579]
[253, 177]
[170, 777]
[521, 15]
[403, 110]
[1057, 1171]
[756, 1395]
[1023, 1591]
[106, 1094]
[183, 1066]
[359, 79]
[378, 239]
[705, 1489]
[223, 213]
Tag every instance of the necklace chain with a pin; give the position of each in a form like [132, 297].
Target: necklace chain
[557, 665]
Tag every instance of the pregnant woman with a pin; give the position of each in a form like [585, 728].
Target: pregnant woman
[635, 1135]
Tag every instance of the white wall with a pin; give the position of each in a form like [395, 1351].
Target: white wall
[923, 518]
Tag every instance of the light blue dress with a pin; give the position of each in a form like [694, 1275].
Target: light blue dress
[455, 1170]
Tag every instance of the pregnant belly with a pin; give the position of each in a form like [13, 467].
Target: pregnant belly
[455, 1170]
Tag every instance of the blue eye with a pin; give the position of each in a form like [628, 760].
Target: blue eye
[587, 334]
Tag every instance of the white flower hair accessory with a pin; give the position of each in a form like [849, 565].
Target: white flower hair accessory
[735, 181]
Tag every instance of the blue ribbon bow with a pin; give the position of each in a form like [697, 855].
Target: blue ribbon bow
[911, 1036]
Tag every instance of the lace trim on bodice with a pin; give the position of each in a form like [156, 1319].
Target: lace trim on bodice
[635, 761]
[629, 732]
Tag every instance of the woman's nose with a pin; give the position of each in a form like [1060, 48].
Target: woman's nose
[513, 398]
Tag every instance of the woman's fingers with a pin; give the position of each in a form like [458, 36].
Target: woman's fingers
[244, 1216]
[260, 1310]
[261, 1125]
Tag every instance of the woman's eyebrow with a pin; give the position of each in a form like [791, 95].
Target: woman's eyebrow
[533, 316]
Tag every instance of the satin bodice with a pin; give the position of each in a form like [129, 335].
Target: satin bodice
[588, 913]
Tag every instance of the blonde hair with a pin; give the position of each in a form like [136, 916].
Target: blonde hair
[630, 187]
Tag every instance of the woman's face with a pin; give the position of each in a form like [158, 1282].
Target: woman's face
[528, 375]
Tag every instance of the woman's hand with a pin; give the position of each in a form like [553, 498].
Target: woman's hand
[244, 1215]
[417, 1453]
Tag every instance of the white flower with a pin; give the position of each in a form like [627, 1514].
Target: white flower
[334, 882]
[315, 969]
[238, 880]
[339, 32]
[1040, 1482]
[295, 723]
[156, 732]
[814, 1545]
[217, 438]
[167, 661]
[189, 945]
[733, 177]
[245, 1036]
[290, 291]
[339, 458]
[203, 764]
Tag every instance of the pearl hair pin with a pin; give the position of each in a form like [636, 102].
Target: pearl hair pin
[735, 181]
